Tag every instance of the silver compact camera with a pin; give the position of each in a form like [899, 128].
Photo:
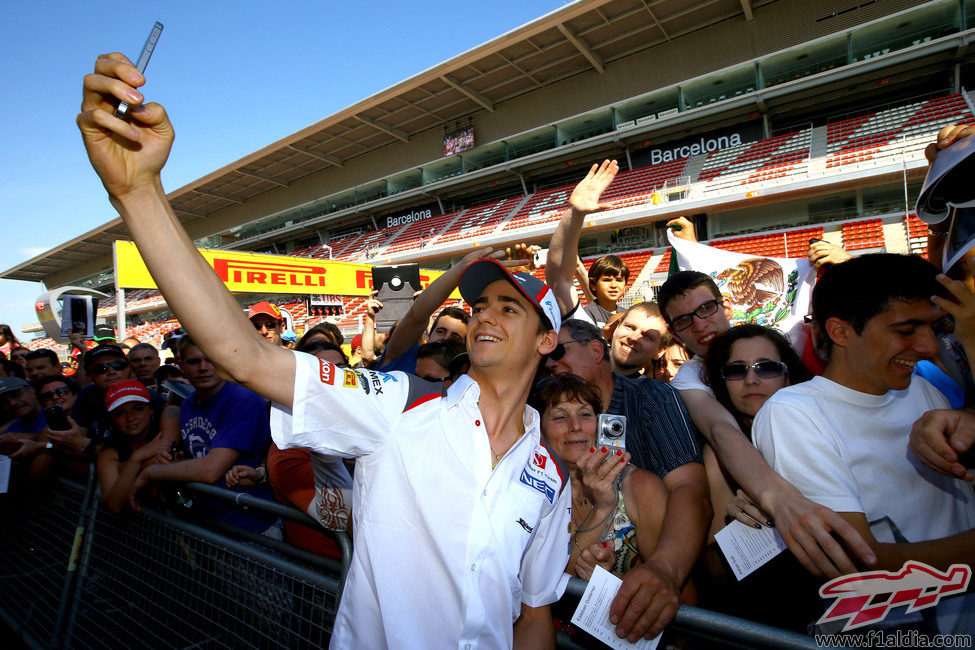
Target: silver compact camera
[611, 431]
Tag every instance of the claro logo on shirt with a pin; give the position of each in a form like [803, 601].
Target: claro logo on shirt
[327, 373]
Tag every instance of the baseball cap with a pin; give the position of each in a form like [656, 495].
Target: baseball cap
[126, 391]
[264, 307]
[172, 338]
[356, 341]
[101, 351]
[289, 336]
[103, 333]
[480, 274]
[10, 384]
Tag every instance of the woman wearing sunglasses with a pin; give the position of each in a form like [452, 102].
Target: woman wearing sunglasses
[745, 366]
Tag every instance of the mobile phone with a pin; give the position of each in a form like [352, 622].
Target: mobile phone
[56, 418]
[123, 109]
[813, 240]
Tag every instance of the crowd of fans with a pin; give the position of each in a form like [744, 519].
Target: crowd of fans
[723, 422]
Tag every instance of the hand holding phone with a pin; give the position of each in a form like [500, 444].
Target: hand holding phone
[123, 108]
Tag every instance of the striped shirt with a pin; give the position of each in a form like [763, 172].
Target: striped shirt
[659, 433]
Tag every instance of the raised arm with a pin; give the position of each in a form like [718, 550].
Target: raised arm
[128, 158]
[564, 248]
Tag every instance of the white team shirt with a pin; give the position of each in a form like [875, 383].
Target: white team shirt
[446, 550]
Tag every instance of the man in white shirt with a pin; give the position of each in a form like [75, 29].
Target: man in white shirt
[842, 437]
[477, 534]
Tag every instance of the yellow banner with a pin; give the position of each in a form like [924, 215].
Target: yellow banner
[258, 273]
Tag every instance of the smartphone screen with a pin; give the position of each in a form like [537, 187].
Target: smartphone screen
[123, 109]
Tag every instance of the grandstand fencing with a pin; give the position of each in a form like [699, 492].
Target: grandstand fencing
[78, 576]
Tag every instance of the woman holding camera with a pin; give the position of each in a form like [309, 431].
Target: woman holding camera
[134, 442]
[617, 509]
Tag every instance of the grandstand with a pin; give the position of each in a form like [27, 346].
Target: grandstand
[808, 122]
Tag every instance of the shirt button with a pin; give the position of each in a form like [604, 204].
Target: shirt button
[477, 423]
[467, 646]
[484, 493]
[474, 567]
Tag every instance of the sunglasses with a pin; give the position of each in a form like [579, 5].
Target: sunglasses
[559, 350]
[265, 325]
[102, 368]
[706, 310]
[763, 369]
[50, 396]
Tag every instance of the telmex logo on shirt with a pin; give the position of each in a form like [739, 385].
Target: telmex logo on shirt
[327, 372]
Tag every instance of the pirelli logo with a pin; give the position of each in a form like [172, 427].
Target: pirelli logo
[269, 273]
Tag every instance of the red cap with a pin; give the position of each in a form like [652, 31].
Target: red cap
[356, 341]
[264, 307]
[129, 390]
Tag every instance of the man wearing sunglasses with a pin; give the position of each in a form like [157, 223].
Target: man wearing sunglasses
[268, 321]
[841, 438]
[696, 312]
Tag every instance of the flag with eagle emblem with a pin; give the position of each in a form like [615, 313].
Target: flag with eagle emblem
[770, 291]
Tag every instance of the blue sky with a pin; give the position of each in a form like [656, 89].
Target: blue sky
[234, 76]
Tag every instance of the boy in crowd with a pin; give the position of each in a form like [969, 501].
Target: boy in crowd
[607, 281]
[841, 438]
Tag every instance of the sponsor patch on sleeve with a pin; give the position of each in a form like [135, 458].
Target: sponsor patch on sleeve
[326, 372]
[349, 379]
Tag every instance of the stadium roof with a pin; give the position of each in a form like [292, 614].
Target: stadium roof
[584, 35]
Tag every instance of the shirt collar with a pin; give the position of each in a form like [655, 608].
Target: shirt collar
[463, 388]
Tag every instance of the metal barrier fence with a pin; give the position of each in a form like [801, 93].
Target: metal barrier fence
[74, 575]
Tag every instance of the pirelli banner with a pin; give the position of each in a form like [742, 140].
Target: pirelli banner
[258, 273]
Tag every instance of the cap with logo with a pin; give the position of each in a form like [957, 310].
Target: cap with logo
[264, 307]
[124, 392]
[10, 384]
[104, 333]
[476, 277]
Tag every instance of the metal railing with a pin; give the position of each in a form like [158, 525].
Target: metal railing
[75, 575]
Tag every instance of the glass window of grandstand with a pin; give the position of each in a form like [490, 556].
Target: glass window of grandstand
[648, 108]
[484, 156]
[898, 32]
[584, 127]
[718, 87]
[408, 181]
[802, 62]
[533, 142]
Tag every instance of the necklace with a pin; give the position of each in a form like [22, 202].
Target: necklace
[498, 454]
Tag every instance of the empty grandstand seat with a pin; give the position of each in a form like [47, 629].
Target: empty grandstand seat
[867, 233]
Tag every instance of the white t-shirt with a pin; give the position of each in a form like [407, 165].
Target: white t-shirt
[690, 376]
[446, 550]
[847, 450]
